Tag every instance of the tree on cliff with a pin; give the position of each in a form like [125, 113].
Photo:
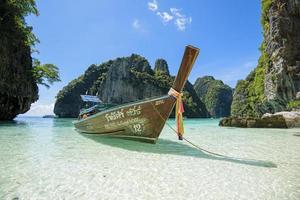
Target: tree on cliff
[45, 74]
[14, 13]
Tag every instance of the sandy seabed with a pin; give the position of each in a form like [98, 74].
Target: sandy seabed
[48, 159]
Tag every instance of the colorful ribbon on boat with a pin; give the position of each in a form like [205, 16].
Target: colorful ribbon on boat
[178, 112]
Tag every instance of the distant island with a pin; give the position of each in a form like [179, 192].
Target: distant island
[49, 116]
[216, 96]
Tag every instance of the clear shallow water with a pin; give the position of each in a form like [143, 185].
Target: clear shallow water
[47, 159]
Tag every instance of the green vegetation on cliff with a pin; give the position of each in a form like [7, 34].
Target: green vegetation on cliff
[249, 98]
[294, 104]
[216, 96]
[18, 88]
[274, 83]
[158, 79]
[19, 74]
[14, 13]
[14, 26]
[266, 4]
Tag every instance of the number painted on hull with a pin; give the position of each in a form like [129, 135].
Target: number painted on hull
[138, 129]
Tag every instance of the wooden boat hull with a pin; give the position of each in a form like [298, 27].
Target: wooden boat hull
[141, 120]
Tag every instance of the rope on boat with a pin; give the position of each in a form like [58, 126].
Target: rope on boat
[179, 110]
[195, 145]
[188, 141]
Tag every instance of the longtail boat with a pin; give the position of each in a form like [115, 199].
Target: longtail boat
[142, 120]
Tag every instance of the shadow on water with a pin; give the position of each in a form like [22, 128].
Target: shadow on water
[164, 146]
[12, 123]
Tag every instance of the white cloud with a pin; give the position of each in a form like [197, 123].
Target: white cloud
[182, 22]
[153, 6]
[38, 109]
[136, 24]
[166, 17]
[176, 12]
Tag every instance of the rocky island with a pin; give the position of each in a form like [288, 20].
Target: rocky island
[216, 96]
[20, 74]
[274, 85]
[18, 88]
[125, 80]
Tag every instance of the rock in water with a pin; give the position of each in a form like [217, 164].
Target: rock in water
[276, 80]
[124, 80]
[292, 119]
[18, 89]
[276, 120]
[250, 122]
[216, 96]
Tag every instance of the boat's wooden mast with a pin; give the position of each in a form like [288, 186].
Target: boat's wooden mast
[188, 60]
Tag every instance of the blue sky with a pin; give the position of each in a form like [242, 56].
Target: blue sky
[76, 34]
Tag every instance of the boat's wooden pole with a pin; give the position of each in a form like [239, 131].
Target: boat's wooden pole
[188, 60]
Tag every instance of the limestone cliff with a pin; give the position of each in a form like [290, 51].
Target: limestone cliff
[162, 66]
[17, 86]
[216, 95]
[121, 81]
[276, 80]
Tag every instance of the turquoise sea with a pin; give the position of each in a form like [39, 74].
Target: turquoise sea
[47, 159]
